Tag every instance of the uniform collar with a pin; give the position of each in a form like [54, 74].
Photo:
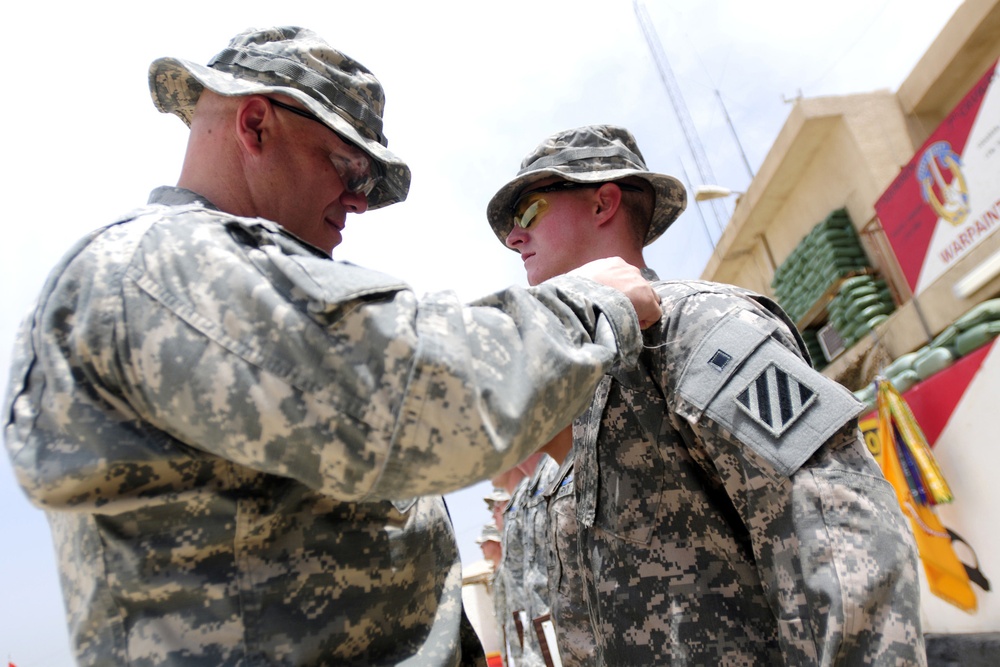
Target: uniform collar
[173, 196]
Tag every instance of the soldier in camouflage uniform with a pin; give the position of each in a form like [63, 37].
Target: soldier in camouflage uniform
[507, 604]
[728, 511]
[535, 537]
[496, 503]
[237, 439]
[570, 617]
[524, 565]
[489, 543]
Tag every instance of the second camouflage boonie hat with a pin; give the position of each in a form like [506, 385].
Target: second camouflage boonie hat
[489, 534]
[295, 62]
[589, 154]
[496, 496]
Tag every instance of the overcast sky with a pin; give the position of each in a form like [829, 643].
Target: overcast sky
[471, 88]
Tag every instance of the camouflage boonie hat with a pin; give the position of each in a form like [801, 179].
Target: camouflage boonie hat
[295, 62]
[589, 154]
[489, 534]
[496, 496]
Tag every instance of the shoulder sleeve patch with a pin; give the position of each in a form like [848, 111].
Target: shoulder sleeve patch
[775, 399]
[767, 397]
[719, 356]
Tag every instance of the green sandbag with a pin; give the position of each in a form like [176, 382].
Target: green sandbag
[836, 217]
[902, 363]
[859, 291]
[871, 311]
[946, 338]
[866, 395]
[854, 282]
[904, 380]
[865, 327]
[860, 304]
[840, 249]
[830, 236]
[877, 320]
[976, 337]
[984, 312]
[934, 360]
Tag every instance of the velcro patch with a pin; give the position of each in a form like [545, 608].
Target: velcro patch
[719, 360]
[775, 399]
[766, 397]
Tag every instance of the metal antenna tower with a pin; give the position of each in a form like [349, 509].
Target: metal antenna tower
[680, 108]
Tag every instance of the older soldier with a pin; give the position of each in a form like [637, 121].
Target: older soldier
[727, 509]
[232, 433]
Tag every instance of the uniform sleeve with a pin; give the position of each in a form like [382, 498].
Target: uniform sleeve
[339, 377]
[781, 441]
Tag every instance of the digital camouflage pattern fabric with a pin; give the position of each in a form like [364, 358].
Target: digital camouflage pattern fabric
[574, 634]
[296, 62]
[535, 519]
[524, 565]
[511, 599]
[500, 605]
[728, 511]
[238, 440]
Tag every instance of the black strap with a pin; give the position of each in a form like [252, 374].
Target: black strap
[976, 575]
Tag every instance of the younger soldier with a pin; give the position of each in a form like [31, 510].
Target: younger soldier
[728, 511]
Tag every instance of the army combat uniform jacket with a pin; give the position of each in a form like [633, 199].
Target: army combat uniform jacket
[535, 518]
[729, 512]
[571, 620]
[524, 566]
[511, 600]
[238, 440]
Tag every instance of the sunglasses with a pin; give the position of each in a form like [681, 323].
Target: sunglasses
[358, 173]
[530, 206]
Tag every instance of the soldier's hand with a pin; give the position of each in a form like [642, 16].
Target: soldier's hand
[617, 273]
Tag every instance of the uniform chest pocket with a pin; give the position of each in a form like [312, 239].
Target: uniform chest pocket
[628, 466]
[324, 288]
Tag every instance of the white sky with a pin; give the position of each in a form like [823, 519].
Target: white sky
[471, 88]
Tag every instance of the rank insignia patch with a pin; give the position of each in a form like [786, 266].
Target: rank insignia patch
[775, 399]
[719, 360]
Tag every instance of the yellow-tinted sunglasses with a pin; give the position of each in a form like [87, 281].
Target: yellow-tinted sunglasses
[530, 206]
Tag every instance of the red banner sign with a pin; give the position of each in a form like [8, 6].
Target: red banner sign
[946, 200]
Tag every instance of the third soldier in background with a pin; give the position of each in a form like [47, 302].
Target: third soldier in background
[524, 565]
[727, 510]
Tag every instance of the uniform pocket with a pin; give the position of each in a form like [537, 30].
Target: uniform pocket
[630, 466]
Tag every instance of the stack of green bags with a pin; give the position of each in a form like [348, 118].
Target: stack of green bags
[861, 304]
[828, 253]
[975, 328]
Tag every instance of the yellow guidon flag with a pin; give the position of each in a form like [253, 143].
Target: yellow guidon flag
[908, 464]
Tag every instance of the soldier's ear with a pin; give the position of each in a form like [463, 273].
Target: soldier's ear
[607, 201]
[254, 118]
